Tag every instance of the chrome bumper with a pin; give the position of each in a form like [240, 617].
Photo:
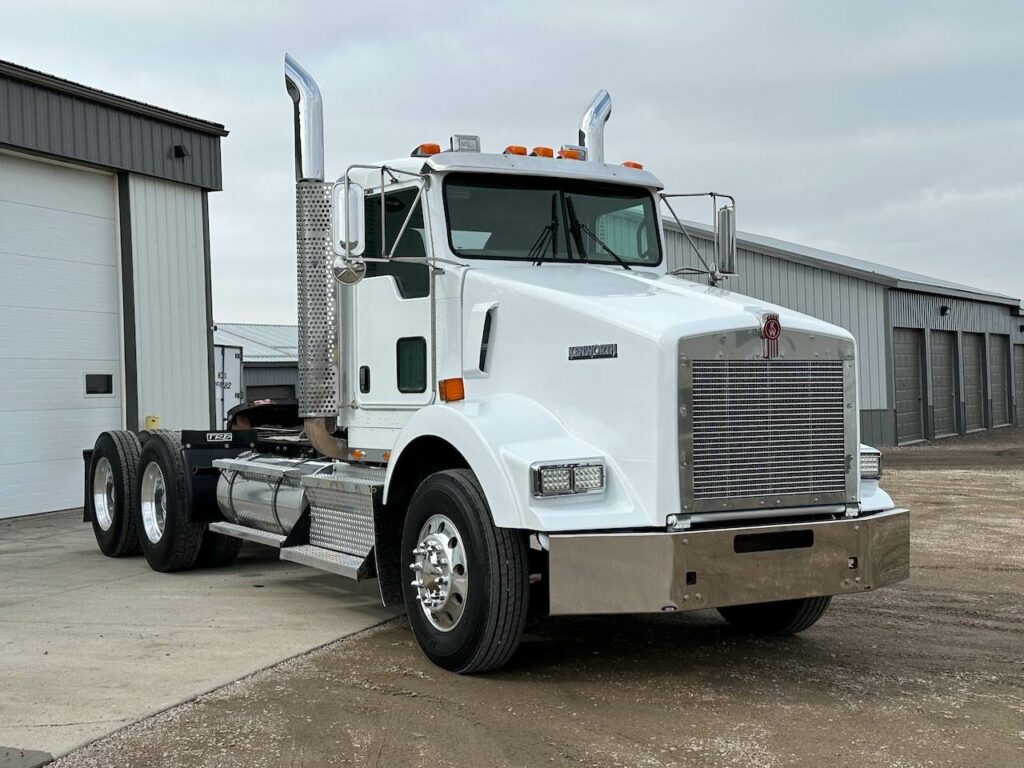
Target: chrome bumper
[653, 572]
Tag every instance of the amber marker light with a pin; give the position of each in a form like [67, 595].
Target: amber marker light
[543, 152]
[426, 150]
[633, 164]
[515, 149]
[452, 390]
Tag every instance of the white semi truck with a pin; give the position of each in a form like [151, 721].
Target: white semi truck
[510, 407]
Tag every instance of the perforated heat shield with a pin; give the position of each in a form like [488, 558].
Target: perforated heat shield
[319, 355]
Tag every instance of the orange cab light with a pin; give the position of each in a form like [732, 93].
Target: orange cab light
[633, 164]
[357, 454]
[387, 456]
[515, 149]
[570, 154]
[452, 390]
[543, 152]
[426, 150]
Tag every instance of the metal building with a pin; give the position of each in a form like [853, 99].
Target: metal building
[936, 358]
[270, 358]
[105, 299]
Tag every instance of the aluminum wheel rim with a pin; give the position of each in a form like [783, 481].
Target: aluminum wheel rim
[154, 502]
[103, 494]
[441, 573]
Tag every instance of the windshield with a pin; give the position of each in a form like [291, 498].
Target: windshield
[537, 219]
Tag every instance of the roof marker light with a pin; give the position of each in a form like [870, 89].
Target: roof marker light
[426, 150]
[633, 164]
[542, 152]
[514, 149]
[572, 152]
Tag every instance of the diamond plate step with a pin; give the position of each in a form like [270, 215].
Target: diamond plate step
[341, 506]
[249, 534]
[328, 560]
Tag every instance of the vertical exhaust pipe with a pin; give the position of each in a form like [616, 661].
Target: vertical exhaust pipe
[320, 361]
[592, 125]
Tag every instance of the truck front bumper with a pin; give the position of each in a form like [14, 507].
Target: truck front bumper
[654, 572]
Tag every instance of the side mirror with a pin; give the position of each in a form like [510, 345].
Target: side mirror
[725, 240]
[348, 220]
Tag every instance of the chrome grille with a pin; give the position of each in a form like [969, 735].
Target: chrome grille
[768, 428]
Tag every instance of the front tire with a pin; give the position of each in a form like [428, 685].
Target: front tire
[170, 539]
[782, 618]
[112, 476]
[466, 582]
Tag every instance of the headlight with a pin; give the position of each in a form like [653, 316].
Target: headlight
[567, 478]
[870, 466]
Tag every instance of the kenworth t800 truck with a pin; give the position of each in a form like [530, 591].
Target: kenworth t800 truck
[510, 407]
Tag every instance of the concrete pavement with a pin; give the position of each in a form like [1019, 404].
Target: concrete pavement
[89, 644]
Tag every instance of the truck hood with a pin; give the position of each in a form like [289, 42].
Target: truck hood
[641, 302]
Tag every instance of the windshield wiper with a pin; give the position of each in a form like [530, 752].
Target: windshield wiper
[548, 234]
[576, 227]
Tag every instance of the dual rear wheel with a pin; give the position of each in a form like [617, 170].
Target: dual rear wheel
[141, 501]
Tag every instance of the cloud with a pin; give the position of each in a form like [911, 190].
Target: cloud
[888, 131]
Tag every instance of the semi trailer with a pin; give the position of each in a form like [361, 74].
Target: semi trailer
[510, 407]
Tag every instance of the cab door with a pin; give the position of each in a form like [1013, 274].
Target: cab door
[393, 308]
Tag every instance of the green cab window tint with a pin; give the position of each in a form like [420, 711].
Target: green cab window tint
[412, 364]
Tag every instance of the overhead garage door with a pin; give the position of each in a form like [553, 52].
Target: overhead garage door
[60, 349]
[998, 376]
[944, 382]
[974, 381]
[1018, 378]
[908, 350]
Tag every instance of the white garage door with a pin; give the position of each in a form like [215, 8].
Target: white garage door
[59, 314]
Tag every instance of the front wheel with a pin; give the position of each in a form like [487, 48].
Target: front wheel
[466, 582]
[785, 617]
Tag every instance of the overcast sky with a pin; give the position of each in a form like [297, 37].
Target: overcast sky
[890, 131]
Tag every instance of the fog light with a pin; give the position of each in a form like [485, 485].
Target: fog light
[870, 466]
[588, 478]
[555, 480]
[568, 478]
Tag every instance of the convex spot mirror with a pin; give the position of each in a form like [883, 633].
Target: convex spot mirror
[348, 220]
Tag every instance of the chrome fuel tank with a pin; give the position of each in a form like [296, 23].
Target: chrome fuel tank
[264, 491]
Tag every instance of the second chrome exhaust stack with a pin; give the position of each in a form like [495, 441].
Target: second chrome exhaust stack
[592, 125]
[320, 362]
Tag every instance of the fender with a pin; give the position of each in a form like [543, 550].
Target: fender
[500, 437]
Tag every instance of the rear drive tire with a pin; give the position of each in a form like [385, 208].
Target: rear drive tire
[218, 550]
[170, 540]
[469, 612]
[786, 617]
[112, 476]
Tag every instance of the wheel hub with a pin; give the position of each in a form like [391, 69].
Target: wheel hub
[103, 494]
[442, 577]
[154, 502]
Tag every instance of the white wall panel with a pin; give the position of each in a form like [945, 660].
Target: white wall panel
[170, 303]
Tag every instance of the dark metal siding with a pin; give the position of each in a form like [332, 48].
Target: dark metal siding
[974, 381]
[1018, 378]
[41, 120]
[921, 310]
[908, 359]
[998, 379]
[943, 383]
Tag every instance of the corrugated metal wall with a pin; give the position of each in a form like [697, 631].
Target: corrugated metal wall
[851, 303]
[170, 302]
[37, 118]
[923, 310]
[269, 375]
[975, 328]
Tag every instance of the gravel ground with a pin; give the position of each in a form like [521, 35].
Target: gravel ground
[926, 673]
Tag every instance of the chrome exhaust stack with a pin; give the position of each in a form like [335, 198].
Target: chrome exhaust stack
[592, 125]
[320, 360]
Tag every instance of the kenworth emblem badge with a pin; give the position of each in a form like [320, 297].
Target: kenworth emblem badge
[593, 351]
[771, 329]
